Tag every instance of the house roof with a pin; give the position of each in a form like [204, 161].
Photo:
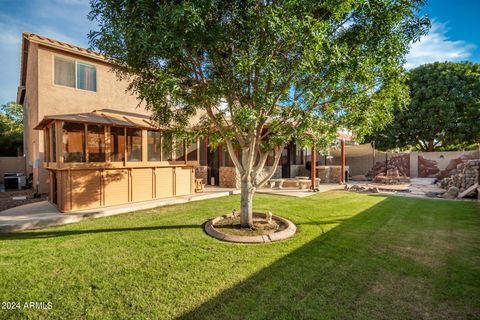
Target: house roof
[111, 117]
[103, 116]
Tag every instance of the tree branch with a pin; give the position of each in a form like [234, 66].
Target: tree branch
[272, 170]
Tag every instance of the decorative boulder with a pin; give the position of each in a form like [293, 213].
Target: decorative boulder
[452, 193]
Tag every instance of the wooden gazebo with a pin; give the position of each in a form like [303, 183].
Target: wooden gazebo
[108, 157]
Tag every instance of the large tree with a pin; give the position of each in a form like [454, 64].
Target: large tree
[11, 128]
[444, 109]
[264, 72]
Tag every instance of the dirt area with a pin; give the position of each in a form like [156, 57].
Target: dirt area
[260, 227]
[7, 202]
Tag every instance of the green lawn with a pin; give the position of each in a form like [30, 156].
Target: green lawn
[354, 256]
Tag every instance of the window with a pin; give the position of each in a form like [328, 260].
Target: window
[53, 145]
[154, 145]
[73, 142]
[71, 73]
[117, 144]
[65, 72]
[179, 151]
[96, 143]
[134, 145]
[86, 77]
[192, 152]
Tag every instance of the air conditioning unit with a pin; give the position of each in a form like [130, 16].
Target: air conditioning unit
[14, 180]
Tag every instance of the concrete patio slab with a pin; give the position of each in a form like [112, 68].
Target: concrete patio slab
[43, 214]
[300, 193]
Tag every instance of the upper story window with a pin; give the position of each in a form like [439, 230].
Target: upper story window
[74, 74]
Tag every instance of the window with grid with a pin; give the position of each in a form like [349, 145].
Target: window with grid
[73, 74]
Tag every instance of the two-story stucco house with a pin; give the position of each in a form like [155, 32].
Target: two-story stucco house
[59, 78]
[87, 142]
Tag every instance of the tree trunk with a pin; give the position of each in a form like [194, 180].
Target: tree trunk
[430, 145]
[246, 211]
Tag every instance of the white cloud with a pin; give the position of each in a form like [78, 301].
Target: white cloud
[436, 46]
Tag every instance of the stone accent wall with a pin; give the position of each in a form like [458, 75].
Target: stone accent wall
[201, 172]
[229, 177]
[298, 170]
[443, 164]
[329, 174]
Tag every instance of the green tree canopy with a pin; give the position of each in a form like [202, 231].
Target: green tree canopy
[444, 109]
[263, 72]
[11, 128]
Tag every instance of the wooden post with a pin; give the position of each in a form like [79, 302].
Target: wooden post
[373, 160]
[206, 152]
[342, 177]
[313, 167]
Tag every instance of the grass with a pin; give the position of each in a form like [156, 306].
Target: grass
[355, 256]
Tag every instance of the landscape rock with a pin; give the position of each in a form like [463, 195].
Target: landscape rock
[452, 193]
[465, 176]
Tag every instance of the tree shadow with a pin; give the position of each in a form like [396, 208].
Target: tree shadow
[348, 272]
[61, 233]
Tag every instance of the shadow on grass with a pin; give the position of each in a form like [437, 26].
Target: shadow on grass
[349, 272]
[61, 233]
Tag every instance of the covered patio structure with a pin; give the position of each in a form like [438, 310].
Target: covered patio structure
[107, 157]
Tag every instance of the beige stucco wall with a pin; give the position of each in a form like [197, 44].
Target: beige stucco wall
[55, 99]
[43, 97]
[30, 105]
[11, 164]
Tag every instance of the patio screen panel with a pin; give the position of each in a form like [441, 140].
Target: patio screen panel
[154, 139]
[192, 152]
[73, 141]
[117, 144]
[96, 143]
[53, 137]
[179, 151]
[134, 145]
[167, 141]
[203, 151]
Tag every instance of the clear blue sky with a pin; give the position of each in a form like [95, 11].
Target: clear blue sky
[454, 36]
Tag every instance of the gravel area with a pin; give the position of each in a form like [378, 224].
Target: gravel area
[7, 202]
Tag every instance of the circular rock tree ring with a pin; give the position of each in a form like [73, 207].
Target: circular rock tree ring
[227, 228]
